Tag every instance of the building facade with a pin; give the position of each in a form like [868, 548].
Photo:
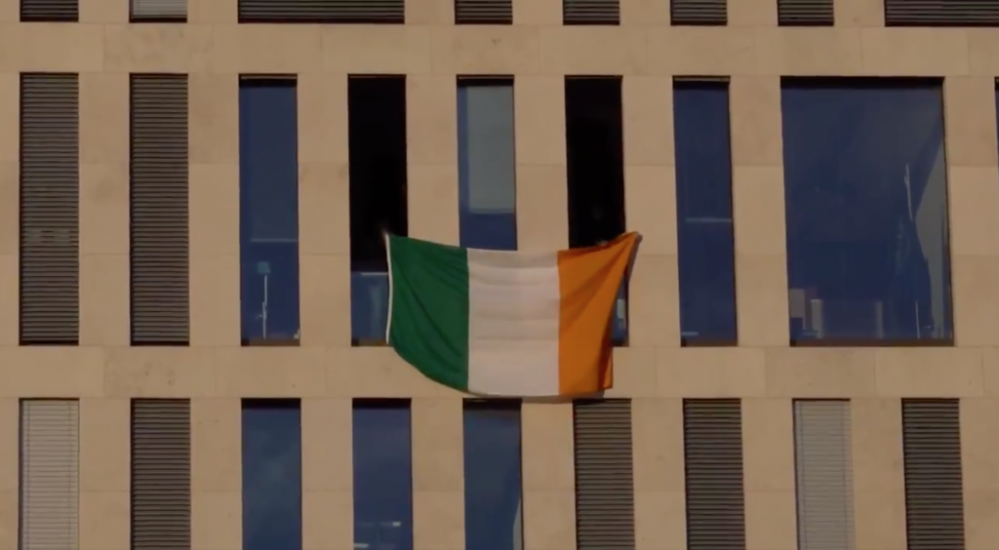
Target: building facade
[192, 290]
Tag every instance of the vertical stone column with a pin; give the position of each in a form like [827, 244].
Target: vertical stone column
[104, 11]
[105, 473]
[537, 12]
[438, 473]
[212, 12]
[768, 462]
[549, 476]
[878, 473]
[542, 194]
[216, 474]
[213, 127]
[859, 13]
[327, 474]
[758, 209]
[104, 209]
[752, 13]
[660, 487]
[10, 207]
[432, 157]
[10, 458]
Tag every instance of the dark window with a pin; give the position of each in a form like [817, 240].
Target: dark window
[323, 11]
[268, 203]
[595, 151]
[383, 475]
[591, 12]
[699, 12]
[158, 11]
[483, 12]
[50, 11]
[942, 13]
[866, 209]
[50, 210]
[161, 474]
[272, 474]
[487, 192]
[377, 134]
[493, 508]
[805, 13]
[704, 212]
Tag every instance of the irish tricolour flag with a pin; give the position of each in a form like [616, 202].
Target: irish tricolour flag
[519, 324]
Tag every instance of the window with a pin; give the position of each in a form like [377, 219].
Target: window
[824, 474]
[50, 11]
[383, 475]
[805, 13]
[49, 474]
[158, 11]
[268, 204]
[483, 12]
[704, 212]
[919, 13]
[272, 474]
[377, 136]
[595, 151]
[492, 475]
[161, 473]
[486, 167]
[325, 11]
[699, 12]
[866, 209]
[591, 12]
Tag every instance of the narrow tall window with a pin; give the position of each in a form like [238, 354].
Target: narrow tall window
[272, 474]
[161, 474]
[805, 13]
[824, 474]
[487, 194]
[50, 474]
[330, 12]
[50, 209]
[268, 204]
[595, 150]
[704, 212]
[383, 474]
[918, 13]
[158, 11]
[50, 11]
[483, 12]
[159, 212]
[699, 12]
[591, 12]
[493, 506]
[377, 135]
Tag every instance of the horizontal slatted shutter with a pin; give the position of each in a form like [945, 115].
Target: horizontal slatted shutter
[159, 217]
[699, 12]
[483, 12]
[942, 13]
[824, 474]
[323, 11]
[50, 209]
[605, 498]
[712, 453]
[934, 501]
[173, 11]
[591, 12]
[161, 474]
[805, 12]
[50, 451]
[55, 11]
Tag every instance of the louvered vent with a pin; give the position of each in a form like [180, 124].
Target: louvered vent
[161, 474]
[699, 12]
[50, 209]
[805, 13]
[53, 11]
[605, 491]
[591, 12]
[712, 453]
[934, 502]
[942, 13]
[483, 12]
[50, 481]
[159, 213]
[824, 473]
[159, 11]
[323, 11]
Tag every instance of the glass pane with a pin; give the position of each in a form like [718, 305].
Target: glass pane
[866, 209]
[383, 477]
[268, 180]
[492, 477]
[272, 475]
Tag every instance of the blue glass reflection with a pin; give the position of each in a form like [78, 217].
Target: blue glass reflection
[369, 295]
[492, 477]
[268, 202]
[272, 475]
[486, 166]
[704, 212]
[383, 477]
[866, 210]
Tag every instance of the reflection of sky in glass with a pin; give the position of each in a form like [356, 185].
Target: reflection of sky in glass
[704, 211]
[272, 476]
[492, 478]
[383, 477]
[268, 181]
[866, 209]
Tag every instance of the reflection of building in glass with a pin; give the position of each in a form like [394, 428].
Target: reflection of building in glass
[378, 535]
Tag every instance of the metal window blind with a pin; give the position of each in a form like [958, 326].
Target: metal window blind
[159, 211]
[934, 501]
[483, 12]
[50, 209]
[161, 474]
[173, 11]
[605, 492]
[805, 13]
[942, 13]
[591, 12]
[50, 451]
[824, 474]
[323, 11]
[712, 454]
[699, 12]
[55, 11]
